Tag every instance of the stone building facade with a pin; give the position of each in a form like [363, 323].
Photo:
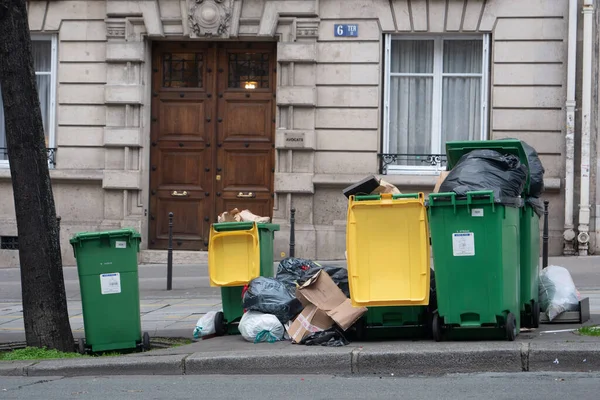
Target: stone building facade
[198, 106]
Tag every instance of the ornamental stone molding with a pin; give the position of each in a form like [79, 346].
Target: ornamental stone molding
[210, 18]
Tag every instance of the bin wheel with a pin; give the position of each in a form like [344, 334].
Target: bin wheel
[436, 327]
[535, 314]
[146, 341]
[511, 327]
[220, 325]
[81, 345]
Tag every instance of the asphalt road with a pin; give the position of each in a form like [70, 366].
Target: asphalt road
[545, 386]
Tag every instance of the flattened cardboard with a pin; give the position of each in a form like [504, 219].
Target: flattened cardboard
[324, 304]
[309, 321]
[440, 180]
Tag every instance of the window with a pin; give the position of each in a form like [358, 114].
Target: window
[436, 91]
[44, 63]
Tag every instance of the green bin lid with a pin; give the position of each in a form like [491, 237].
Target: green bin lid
[456, 149]
[129, 233]
[242, 226]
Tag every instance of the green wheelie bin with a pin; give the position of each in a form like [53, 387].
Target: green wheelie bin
[235, 250]
[388, 264]
[108, 279]
[476, 245]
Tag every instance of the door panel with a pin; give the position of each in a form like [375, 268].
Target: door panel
[205, 94]
[245, 135]
[181, 158]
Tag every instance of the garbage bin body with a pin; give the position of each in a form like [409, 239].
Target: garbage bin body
[108, 279]
[475, 244]
[387, 244]
[262, 254]
[530, 266]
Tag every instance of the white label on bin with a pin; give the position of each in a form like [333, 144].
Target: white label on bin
[110, 283]
[477, 212]
[463, 244]
[121, 245]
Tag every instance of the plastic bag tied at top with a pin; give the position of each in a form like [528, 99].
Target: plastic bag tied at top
[557, 291]
[480, 170]
[259, 327]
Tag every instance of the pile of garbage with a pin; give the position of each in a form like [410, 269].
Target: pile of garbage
[305, 302]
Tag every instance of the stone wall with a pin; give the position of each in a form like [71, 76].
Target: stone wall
[329, 94]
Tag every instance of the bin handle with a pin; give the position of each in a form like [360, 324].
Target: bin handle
[440, 196]
[488, 194]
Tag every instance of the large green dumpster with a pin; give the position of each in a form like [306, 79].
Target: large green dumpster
[476, 245]
[108, 279]
[231, 296]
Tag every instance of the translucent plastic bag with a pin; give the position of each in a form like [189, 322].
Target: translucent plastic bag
[205, 325]
[557, 291]
[257, 327]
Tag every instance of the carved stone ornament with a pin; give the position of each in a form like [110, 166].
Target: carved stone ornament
[115, 29]
[209, 18]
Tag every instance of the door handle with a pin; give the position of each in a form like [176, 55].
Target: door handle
[175, 193]
[247, 195]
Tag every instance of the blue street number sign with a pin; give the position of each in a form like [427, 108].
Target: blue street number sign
[346, 30]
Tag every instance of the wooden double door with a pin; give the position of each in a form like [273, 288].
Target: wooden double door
[212, 137]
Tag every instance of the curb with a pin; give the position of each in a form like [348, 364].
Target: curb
[413, 359]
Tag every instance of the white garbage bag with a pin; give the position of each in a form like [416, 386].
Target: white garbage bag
[205, 325]
[557, 292]
[257, 327]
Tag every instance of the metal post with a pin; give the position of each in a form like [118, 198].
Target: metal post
[170, 254]
[292, 233]
[58, 218]
[545, 237]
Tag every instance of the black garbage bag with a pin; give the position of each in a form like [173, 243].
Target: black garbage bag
[331, 337]
[488, 170]
[270, 296]
[291, 269]
[537, 204]
[536, 170]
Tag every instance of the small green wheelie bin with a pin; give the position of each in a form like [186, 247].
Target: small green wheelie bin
[476, 245]
[238, 253]
[108, 278]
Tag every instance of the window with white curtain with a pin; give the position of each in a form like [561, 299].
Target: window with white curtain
[436, 91]
[44, 63]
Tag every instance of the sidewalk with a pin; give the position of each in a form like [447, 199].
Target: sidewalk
[174, 314]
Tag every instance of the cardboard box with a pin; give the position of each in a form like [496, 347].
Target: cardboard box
[440, 180]
[325, 304]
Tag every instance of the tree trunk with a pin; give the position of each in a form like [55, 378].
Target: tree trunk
[43, 288]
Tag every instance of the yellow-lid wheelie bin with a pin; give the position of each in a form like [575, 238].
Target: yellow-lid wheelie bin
[237, 253]
[476, 244]
[387, 243]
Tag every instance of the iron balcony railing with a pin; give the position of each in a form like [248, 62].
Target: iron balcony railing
[408, 161]
[51, 156]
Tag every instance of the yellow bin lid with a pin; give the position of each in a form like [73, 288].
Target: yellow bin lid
[233, 254]
[387, 240]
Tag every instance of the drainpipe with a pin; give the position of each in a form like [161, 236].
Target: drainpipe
[586, 113]
[569, 232]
